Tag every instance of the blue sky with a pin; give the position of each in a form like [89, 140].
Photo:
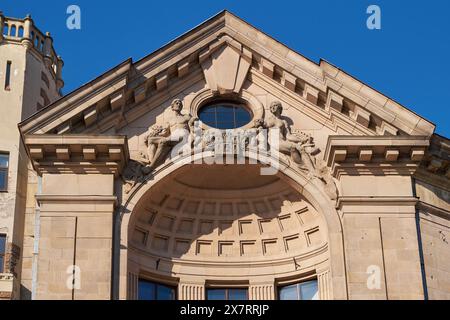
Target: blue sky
[408, 59]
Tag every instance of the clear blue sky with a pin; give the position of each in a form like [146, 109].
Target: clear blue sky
[408, 59]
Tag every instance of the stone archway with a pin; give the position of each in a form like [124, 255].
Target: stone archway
[328, 266]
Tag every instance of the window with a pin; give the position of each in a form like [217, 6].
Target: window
[12, 31]
[8, 76]
[2, 252]
[224, 115]
[148, 290]
[44, 98]
[4, 164]
[227, 294]
[299, 291]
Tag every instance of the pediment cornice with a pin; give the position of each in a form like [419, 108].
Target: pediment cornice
[328, 92]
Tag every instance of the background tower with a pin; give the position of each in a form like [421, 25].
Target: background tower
[30, 79]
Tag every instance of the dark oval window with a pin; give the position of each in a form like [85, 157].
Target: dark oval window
[224, 115]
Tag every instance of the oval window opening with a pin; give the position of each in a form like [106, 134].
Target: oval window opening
[224, 115]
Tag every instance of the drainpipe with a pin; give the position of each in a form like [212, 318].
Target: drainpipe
[419, 239]
[37, 219]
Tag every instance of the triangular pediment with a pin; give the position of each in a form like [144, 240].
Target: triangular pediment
[224, 52]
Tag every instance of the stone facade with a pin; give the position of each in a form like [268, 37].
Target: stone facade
[104, 196]
[34, 81]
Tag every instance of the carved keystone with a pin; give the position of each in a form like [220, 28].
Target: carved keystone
[225, 68]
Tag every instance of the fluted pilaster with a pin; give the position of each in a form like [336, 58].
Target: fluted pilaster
[191, 291]
[262, 292]
[133, 280]
[324, 285]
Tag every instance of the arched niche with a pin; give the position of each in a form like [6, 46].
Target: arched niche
[162, 236]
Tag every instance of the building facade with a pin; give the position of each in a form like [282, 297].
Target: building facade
[222, 166]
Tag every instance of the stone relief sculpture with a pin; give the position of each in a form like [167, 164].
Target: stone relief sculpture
[179, 130]
[290, 144]
[161, 139]
[133, 174]
[300, 147]
[159, 142]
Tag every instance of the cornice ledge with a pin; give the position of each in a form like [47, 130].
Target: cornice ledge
[380, 154]
[77, 198]
[77, 153]
[81, 97]
[372, 100]
[377, 200]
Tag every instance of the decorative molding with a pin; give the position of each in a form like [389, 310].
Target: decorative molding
[75, 198]
[435, 168]
[324, 284]
[77, 153]
[225, 50]
[255, 105]
[191, 291]
[376, 201]
[6, 285]
[132, 286]
[263, 291]
[376, 154]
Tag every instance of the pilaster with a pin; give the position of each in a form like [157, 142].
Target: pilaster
[76, 204]
[377, 206]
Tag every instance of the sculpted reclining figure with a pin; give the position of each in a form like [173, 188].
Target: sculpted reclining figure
[300, 147]
[297, 146]
[161, 139]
